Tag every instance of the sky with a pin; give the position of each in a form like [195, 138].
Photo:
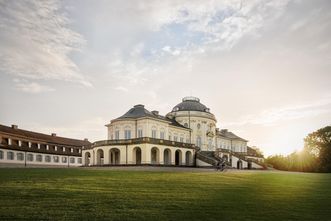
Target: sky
[263, 67]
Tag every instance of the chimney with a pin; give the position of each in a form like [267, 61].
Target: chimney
[53, 134]
[85, 139]
[14, 126]
[155, 112]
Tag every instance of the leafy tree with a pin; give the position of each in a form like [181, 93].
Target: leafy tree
[315, 156]
[318, 144]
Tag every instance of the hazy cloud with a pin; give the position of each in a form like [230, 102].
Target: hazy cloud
[36, 41]
[279, 115]
[31, 87]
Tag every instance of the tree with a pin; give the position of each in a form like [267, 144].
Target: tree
[318, 144]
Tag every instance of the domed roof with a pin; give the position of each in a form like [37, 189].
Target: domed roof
[190, 104]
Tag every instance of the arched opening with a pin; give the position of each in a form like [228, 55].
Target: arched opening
[167, 157]
[249, 165]
[155, 155]
[87, 159]
[114, 156]
[100, 157]
[188, 158]
[178, 157]
[239, 164]
[137, 155]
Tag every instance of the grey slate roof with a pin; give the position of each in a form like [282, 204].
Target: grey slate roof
[43, 137]
[139, 111]
[230, 135]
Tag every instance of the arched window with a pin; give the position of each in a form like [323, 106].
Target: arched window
[10, 155]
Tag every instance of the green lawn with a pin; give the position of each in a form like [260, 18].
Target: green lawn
[82, 194]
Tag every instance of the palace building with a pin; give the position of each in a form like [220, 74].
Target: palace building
[26, 148]
[186, 136]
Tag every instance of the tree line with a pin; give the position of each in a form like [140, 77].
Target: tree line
[315, 156]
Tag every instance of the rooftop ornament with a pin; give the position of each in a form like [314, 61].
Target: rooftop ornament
[190, 98]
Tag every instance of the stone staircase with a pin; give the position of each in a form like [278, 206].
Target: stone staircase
[210, 158]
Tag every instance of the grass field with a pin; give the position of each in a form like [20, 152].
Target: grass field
[83, 194]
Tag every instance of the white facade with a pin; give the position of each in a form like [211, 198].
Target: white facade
[146, 127]
[138, 154]
[144, 137]
[23, 158]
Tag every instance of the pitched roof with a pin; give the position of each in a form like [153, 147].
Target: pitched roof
[139, 111]
[230, 135]
[42, 137]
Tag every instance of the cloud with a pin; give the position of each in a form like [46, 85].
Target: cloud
[36, 42]
[274, 116]
[90, 128]
[31, 87]
[121, 88]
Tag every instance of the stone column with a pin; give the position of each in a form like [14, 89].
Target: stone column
[106, 156]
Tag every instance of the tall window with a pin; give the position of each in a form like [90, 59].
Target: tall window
[47, 159]
[20, 156]
[210, 144]
[140, 133]
[175, 138]
[1, 154]
[117, 135]
[199, 141]
[72, 160]
[153, 133]
[64, 159]
[10, 155]
[162, 135]
[39, 158]
[56, 159]
[182, 139]
[29, 157]
[127, 134]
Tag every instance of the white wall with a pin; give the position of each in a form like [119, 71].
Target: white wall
[127, 154]
[5, 160]
[147, 125]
